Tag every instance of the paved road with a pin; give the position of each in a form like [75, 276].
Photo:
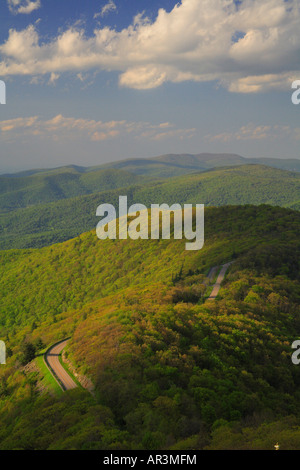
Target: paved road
[52, 355]
[212, 273]
[220, 279]
[52, 358]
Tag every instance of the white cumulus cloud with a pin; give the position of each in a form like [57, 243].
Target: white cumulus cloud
[248, 47]
[23, 6]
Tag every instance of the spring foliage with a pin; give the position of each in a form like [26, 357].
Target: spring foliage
[170, 369]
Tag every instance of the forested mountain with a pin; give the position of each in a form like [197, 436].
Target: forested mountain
[169, 165]
[171, 370]
[178, 164]
[44, 224]
[43, 187]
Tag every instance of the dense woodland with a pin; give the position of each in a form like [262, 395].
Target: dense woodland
[43, 209]
[171, 370]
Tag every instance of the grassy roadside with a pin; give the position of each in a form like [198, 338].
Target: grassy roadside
[48, 380]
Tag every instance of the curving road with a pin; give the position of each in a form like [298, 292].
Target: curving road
[52, 355]
[52, 360]
[220, 279]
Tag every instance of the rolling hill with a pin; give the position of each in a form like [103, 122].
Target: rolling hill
[171, 371]
[179, 164]
[63, 183]
[170, 165]
[58, 221]
[210, 160]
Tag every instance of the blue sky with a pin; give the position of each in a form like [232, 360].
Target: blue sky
[96, 81]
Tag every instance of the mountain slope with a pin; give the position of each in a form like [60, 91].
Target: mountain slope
[251, 184]
[44, 187]
[170, 369]
[247, 184]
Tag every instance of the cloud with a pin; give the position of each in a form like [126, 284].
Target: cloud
[60, 127]
[254, 132]
[17, 123]
[107, 8]
[53, 77]
[23, 6]
[249, 47]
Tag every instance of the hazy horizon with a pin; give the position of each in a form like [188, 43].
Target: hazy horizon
[111, 80]
[16, 171]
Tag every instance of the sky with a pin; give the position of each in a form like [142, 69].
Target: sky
[95, 81]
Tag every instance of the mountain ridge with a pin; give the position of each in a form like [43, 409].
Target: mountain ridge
[61, 220]
[200, 161]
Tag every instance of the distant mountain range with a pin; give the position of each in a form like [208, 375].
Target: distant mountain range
[32, 187]
[173, 164]
[44, 212]
[166, 166]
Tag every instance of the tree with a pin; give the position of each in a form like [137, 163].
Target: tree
[39, 344]
[28, 353]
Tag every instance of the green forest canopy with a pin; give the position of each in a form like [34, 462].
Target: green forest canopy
[170, 370]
